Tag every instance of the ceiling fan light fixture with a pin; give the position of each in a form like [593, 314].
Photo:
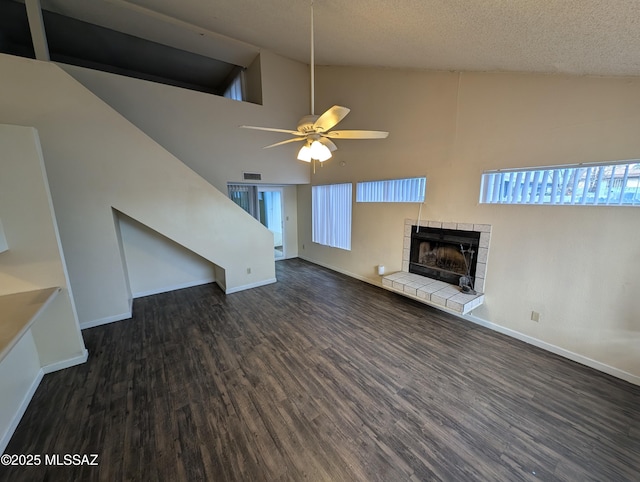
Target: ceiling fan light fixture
[319, 151]
[316, 150]
[316, 131]
[304, 154]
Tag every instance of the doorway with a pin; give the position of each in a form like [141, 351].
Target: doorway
[270, 215]
[266, 204]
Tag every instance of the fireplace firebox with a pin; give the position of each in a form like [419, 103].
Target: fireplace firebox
[444, 254]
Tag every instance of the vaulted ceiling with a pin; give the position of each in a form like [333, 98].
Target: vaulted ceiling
[593, 37]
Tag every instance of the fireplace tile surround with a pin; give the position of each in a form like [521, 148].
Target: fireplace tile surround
[439, 293]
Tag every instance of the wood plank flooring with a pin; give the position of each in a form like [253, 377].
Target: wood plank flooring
[321, 377]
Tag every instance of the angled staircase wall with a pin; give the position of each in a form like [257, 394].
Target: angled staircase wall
[98, 161]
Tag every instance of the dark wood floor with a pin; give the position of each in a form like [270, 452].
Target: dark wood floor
[322, 377]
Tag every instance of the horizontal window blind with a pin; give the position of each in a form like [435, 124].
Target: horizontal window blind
[410, 190]
[602, 184]
[331, 215]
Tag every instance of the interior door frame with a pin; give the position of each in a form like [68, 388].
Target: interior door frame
[269, 188]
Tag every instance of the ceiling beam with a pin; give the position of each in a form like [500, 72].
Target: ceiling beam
[38, 34]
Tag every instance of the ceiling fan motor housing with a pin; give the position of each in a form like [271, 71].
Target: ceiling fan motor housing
[306, 123]
[313, 129]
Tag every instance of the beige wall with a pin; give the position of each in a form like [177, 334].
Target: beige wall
[290, 200]
[574, 265]
[156, 264]
[202, 130]
[97, 161]
[17, 385]
[34, 259]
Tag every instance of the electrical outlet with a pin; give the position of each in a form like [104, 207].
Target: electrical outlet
[248, 270]
[535, 316]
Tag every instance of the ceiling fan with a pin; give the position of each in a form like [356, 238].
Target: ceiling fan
[315, 131]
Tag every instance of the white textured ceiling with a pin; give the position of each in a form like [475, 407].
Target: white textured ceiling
[597, 37]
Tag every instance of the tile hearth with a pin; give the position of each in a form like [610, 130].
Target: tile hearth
[434, 292]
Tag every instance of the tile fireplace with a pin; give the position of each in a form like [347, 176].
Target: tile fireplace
[436, 255]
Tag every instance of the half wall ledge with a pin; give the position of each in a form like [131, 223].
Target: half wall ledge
[432, 292]
[18, 311]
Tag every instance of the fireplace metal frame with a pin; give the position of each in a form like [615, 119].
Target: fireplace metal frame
[443, 237]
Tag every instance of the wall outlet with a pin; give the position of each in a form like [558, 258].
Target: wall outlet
[535, 316]
[248, 270]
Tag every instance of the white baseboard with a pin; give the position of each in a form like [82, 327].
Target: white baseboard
[22, 408]
[61, 365]
[583, 360]
[221, 285]
[249, 286]
[123, 316]
[189, 284]
[104, 321]
[4, 441]
[347, 273]
[576, 357]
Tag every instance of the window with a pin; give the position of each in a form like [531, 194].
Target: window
[235, 90]
[245, 196]
[411, 190]
[331, 215]
[612, 184]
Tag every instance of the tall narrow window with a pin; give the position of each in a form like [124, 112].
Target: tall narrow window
[610, 184]
[331, 215]
[410, 190]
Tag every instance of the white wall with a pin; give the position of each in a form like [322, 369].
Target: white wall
[202, 130]
[20, 375]
[34, 259]
[290, 200]
[574, 265]
[98, 161]
[156, 264]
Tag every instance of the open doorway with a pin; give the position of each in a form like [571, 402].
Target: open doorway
[270, 209]
[265, 203]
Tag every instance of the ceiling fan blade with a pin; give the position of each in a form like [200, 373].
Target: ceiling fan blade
[330, 118]
[285, 142]
[329, 143]
[273, 129]
[354, 134]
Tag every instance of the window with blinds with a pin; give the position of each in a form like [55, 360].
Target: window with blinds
[410, 190]
[245, 196]
[235, 90]
[331, 215]
[612, 184]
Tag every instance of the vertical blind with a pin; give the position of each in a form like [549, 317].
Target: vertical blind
[604, 185]
[410, 190]
[235, 90]
[245, 196]
[331, 215]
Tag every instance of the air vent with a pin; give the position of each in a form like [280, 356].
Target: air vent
[252, 176]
